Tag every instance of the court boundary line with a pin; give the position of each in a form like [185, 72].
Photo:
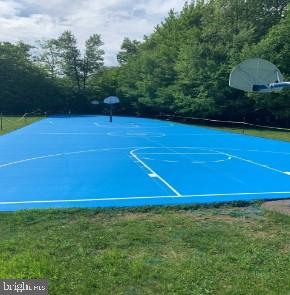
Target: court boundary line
[253, 150]
[61, 155]
[132, 153]
[146, 197]
[253, 162]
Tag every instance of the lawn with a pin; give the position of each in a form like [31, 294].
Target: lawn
[159, 250]
[267, 133]
[10, 123]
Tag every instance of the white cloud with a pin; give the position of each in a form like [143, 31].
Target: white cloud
[31, 20]
[8, 8]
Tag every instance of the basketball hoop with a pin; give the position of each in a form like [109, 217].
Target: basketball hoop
[257, 75]
[111, 100]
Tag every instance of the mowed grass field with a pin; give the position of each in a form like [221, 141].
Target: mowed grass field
[10, 123]
[267, 133]
[160, 250]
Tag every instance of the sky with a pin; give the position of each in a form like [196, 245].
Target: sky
[31, 20]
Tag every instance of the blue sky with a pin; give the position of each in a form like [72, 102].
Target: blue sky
[31, 20]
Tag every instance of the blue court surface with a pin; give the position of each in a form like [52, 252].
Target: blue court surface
[86, 161]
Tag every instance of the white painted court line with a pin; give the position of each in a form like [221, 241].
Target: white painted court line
[62, 154]
[258, 151]
[135, 134]
[252, 162]
[216, 153]
[129, 126]
[192, 162]
[146, 127]
[69, 153]
[70, 133]
[201, 134]
[153, 172]
[148, 197]
[45, 157]
[213, 151]
[208, 152]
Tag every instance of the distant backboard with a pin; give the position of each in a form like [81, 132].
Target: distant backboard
[255, 75]
[111, 100]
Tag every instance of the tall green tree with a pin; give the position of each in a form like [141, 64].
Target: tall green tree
[77, 67]
[129, 49]
[275, 47]
[24, 86]
[184, 65]
[71, 62]
[49, 57]
[92, 60]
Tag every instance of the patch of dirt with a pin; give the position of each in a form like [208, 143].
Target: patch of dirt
[261, 234]
[232, 215]
[224, 218]
[281, 206]
[136, 216]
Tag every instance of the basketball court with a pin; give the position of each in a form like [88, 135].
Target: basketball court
[86, 161]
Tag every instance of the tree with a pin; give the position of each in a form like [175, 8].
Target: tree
[129, 49]
[275, 47]
[49, 57]
[63, 60]
[24, 86]
[184, 65]
[70, 55]
[93, 58]
[77, 67]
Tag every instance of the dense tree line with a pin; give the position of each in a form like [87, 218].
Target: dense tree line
[53, 79]
[181, 68]
[24, 86]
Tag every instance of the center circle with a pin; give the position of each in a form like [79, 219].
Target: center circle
[182, 155]
[136, 134]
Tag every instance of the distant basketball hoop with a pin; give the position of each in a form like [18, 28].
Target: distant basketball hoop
[111, 100]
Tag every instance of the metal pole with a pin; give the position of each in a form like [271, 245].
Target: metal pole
[111, 113]
[1, 122]
[244, 125]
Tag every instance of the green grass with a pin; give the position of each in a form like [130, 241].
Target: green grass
[161, 250]
[273, 134]
[10, 123]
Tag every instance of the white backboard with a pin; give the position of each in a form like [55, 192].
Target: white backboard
[253, 72]
[111, 100]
